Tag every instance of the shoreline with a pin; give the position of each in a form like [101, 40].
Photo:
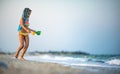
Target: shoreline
[10, 65]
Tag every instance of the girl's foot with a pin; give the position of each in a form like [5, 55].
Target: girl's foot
[22, 59]
[16, 56]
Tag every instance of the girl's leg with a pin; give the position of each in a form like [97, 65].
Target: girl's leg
[21, 39]
[25, 47]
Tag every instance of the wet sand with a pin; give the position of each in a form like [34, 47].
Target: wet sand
[10, 65]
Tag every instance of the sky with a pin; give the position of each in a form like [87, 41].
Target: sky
[91, 26]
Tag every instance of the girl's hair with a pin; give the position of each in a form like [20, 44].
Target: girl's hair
[25, 13]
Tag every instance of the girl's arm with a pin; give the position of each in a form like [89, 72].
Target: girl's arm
[22, 25]
[31, 30]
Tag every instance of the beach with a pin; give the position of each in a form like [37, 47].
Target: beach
[10, 65]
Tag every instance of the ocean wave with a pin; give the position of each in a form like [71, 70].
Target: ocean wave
[63, 58]
[76, 61]
[114, 62]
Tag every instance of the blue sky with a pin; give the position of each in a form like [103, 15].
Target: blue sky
[91, 26]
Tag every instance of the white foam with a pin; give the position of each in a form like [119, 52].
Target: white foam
[114, 62]
[57, 58]
[86, 64]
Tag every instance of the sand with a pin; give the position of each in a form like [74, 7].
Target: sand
[10, 65]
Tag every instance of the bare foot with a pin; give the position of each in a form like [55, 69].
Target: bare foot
[22, 59]
[16, 56]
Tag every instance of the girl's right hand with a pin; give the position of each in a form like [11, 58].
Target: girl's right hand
[33, 33]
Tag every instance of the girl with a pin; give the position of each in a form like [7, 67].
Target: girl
[23, 33]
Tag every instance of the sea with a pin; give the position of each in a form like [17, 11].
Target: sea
[79, 60]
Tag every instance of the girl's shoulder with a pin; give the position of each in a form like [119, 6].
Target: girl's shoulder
[21, 20]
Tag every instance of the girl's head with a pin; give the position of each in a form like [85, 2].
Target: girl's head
[26, 13]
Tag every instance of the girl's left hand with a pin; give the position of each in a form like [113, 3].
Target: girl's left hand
[28, 31]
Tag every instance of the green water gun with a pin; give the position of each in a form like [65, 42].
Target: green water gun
[37, 32]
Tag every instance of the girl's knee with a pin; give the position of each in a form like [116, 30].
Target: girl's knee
[25, 47]
[21, 46]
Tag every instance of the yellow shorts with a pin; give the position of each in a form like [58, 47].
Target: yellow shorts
[25, 34]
